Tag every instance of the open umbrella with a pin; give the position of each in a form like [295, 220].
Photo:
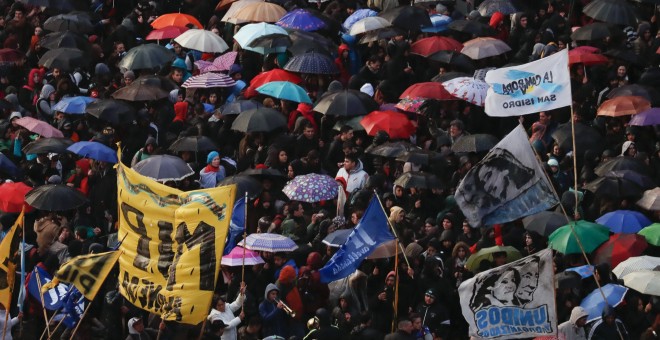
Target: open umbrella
[614, 187]
[623, 106]
[55, 197]
[467, 88]
[194, 144]
[273, 243]
[591, 236]
[567, 279]
[620, 247]
[612, 11]
[260, 12]
[73, 105]
[386, 250]
[427, 90]
[269, 76]
[263, 173]
[594, 303]
[650, 200]
[337, 238]
[243, 183]
[239, 256]
[39, 127]
[480, 48]
[545, 222]
[147, 56]
[473, 27]
[409, 18]
[234, 8]
[346, 103]
[368, 24]
[479, 142]
[111, 110]
[475, 259]
[584, 271]
[10, 56]
[48, 145]
[586, 58]
[643, 181]
[593, 32]
[627, 56]
[238, 106]
[68, 39]
[285, 90]
[439, 23]
[358, 15]
[418, 179]
[455, 60]
[312, 63]
[275, 43]
[649, 117]
[175, 19]
[379, 34]
[652, 234]
[202, 40]
[646, 282]
[140, 91]
[489, 7]
[94, 150]
[301, 19]
[7, 166]
[420, 156]
[167, 32]
[621, 163]
[587, 138]
[396, 124]
[311, 188]
[646, 92]
[634, 264]
[441, 78]
[249, 33]
[68, 22]
[624, 221]
[304, 42]
[262, 119]
[12, 197]
[64, 58]
[392, 149]
[164, 168]
[209, 80]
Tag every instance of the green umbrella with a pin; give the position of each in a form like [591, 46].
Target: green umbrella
[652, 234]
[591, 235]
[475, 259]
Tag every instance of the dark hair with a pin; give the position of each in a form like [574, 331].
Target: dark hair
[351, 157]
[345, 129]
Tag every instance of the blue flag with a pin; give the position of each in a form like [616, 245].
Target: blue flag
[236, 225]
[53, 298]
[372, 231]
[73, 307]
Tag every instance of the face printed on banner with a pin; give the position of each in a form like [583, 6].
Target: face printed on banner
[529, 281]
[505, 286]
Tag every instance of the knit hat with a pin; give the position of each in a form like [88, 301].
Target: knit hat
[212, 154]
[431, 293]
[367, 89]
[101, 68]
[413, 250]
[287, 275]
[131, 322]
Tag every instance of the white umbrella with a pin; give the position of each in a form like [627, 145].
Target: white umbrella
[645, 282]
[230, 16]
[480, 48]
[634, 264]
[650, 200]
[467, 88]
[209, 80]
[248, 33]
[202, 40]
[369, 24]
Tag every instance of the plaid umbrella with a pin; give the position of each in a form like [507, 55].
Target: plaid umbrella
[273, 243]
[209, 80]
[311, 188]
[312, 63]
[235, 258]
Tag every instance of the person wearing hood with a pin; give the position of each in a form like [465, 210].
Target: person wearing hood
[353, 173]
[629, 149]
[137, 330]
[272, 313]
[609, 327]
[27, 93]
[497, 23]
[573, 329]
[343, 63]
[45, 102]
[213, 173]
[145, 152]
[79, 180]
[324, 330]
[644, 40]
[225, 314]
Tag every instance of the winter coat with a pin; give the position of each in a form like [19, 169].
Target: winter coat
[274, 319]
[228, 317]
[569, 331]
[355, 179]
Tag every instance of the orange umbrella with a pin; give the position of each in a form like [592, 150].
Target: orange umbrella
[175, 19]
[260, 12]
[396, 124]
[623, 106]
[223, 5]
[12, 197]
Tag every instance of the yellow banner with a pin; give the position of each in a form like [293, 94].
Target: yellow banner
[173, 245]
[86, 272]
[10, 257]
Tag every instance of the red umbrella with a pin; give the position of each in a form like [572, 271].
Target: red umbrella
[619, 248]
[396, 124]
[267, 77]
[428, 90]
[583, 56]
[167, 32]
[12, 197]
[586, 49]
[175, 19]
[427, 46]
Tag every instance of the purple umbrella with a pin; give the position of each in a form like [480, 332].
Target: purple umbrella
[301, 19]
[648, 117]
[311, 188]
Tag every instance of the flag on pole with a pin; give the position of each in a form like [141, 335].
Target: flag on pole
[73, 308]
[236, 225]
[508, 183]
[541, 85]
[21, 293]
[9, 258]
[53, 298]
[85, 272]
[372, 230]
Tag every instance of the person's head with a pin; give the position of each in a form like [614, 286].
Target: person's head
[177, 48]
[455, 128]
[544, 117]
[129, 77]
[273, 294]
[579, 316]
[350, 162]
[297, 209]
[120, 48]
[374, 64]
[430, 228]
[213, 159]
[416, 320]
[621, 71]
[405, 326]
[220, 304]
[499, 258]
[609, 315]
[19, 13]
[177, 75]
[135, 326]
[308, 131]
[56, 72]
[390, 279]
[346, 133]
[505, 286]
[447, 223]
[282, 156]
[430, 297]
[466, 227]
[217, 327]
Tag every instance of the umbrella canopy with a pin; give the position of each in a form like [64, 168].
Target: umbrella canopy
[68, 39]
[567, 279]
[441, 78]
[164, 168]
[584, 271]
[643, 181]
[301, 19]
[645, 282]
[194, 144]
[248, 33]
[474, 143]
[48, 145]
[12, 197]
[628, 56]
[209, 80]
[345, 103]
[73, 105]
[312, 63]
[262, 173]
[650, 200]
[587, 138]
[8, 167]
[304, 42]
[262, 119]
[167, 32]
[456, 60]
[202, 40]
[614, 187]
[39, 127]
[480, 48]
[222, 63]
[652, 234]
[467, 88]
[396, 124]
[649, 117]
[440, 23]
[68, 22]
[545, 222]
[420, 156]
[273, 243]
[64, 58]
[409, 18]
[140, 91]
[472, 27]
[611, 11]
[111, 110]
[379, 34]
[311, 188]
[634, 264]
[586, 58]
[55, 197]
[475, 259]
[623, 106]
[427, 90]
[10, 56]
[94, 150]
[386, 250]
[646, 92]
[357, 16]
[274, 75]
[276, 43]
[418, 179]
[392, 149]
[619, 248]
[593, 32]
[489, 7]
[260, 12]
[238, 106]
[147, 56]
[175, 19]
[591, 235]
[621, 163]
[594, 303]
[368, 24]
[243, 184]
[234, 8]
[337, 238]
[285, 90]
[239, 256]
[624, 221]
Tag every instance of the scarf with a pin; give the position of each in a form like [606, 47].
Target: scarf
[210, 168]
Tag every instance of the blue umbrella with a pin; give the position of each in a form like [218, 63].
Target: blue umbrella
[248, 33]
[312, 63]
[301, 19]
[285, 90]
[440, 24]
[624, 221]
[94, 150]
[268, 242]
[584, 271]
[594, 303]
[8, 166]
[73, 105]
[357, 16]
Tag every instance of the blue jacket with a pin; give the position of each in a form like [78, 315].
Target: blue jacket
[274, 319]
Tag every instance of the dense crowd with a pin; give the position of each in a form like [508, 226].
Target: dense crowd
[279, 297]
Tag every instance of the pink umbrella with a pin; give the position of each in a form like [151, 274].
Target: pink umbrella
[39, 127]
[235, 258]
[220, 64]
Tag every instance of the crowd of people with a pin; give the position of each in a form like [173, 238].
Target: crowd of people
[276, 299]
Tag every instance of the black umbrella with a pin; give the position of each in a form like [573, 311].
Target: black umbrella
[48, 145]
[417, 179]
[55, 40]
[628, 56]
[567, 279]
[238, 106]
[194, 144]
[391, 149]
[645, 182]
[489, 7]
[162, 82]
[111, 110]
[164, 168]
[593, 31]
[441, 78]
[614, 187]
[649, 93]
[353, 122]
[346, 103]
[272, 174]
[243, 184]
[419, 156]
[379, 34]
[271, 41]
[587, 138]
[65, 59]
[545, 222]
[472, 27]
[474, 143]
[650, 77]
[262, 119]
[139, 91]
[55, 197]
[615, 12]
[409, 18]
[68, 22]
[147, 56]
[454, 59]
[310, 41]
[622, 163]
[312, 63]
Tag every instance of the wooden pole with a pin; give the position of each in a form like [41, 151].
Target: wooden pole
[41, 295]
[80, 321]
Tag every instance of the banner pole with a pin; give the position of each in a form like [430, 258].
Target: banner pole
[41, 295]
[245, 208]
[393, 231]
[396, 289]
[81, 320]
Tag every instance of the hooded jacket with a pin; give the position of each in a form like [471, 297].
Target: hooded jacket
[43, 105]
[355, 179]
[274, 319]
[569, 330]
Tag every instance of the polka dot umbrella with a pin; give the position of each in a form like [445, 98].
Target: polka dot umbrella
[311, 188]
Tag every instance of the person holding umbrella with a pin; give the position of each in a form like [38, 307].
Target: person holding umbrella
[213, 173]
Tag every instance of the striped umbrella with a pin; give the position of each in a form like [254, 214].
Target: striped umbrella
[235, 258]
[209, 80]
[268, 242]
